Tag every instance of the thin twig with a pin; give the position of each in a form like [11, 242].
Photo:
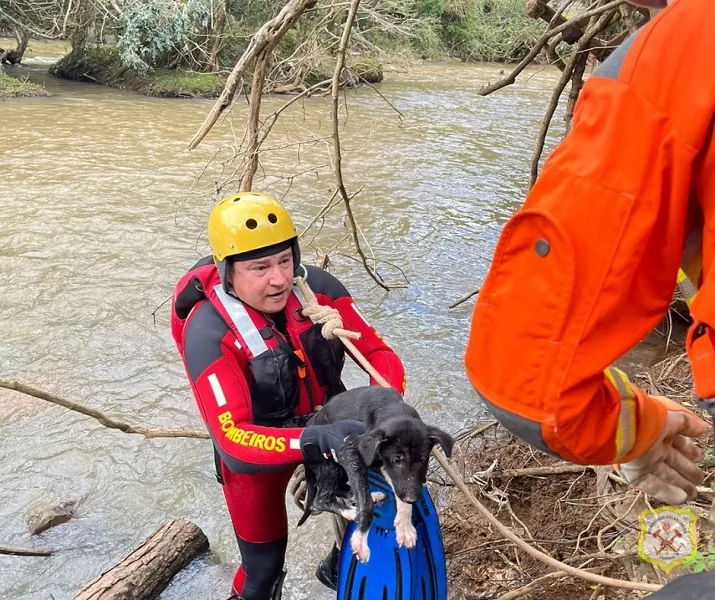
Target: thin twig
[576, 85]
[463, 299]
[153, 313]
[337, 153]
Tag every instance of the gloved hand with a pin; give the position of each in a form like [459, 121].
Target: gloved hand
[667, 470]
[322, 442]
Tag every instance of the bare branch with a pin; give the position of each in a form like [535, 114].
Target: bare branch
[579, 47]
[526, 61]
[259, 78]
[337, 153]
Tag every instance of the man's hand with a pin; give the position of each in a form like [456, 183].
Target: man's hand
[667, 470]
[322, 442]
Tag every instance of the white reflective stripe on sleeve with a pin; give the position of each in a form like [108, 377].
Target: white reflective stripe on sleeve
[241, 319]
[355, 308]
[217, 390]
[237, 344]
[294, 443]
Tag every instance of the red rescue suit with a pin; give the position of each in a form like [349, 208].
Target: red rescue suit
[255, 378]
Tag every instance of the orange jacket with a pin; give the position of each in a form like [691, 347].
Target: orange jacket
[587, 267]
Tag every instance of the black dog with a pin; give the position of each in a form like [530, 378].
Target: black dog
[396, 441]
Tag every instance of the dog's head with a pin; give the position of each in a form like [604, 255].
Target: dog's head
[403, 447]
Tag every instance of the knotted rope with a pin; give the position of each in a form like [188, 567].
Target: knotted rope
[332, 318]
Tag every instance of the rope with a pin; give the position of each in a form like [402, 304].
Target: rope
[312, 306]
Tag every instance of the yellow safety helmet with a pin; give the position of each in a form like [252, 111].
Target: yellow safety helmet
[250, 225]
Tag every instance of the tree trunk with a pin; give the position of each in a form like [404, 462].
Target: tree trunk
[22, 38]
[145, 572]
[218, 30]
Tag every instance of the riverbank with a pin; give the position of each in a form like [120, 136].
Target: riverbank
[585, 517]
[16, 87]
[102, 66]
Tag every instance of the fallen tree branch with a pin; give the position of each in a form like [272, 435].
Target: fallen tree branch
[264, 40]
[530, 587]
[533, 471]
[16, 386]
[701, 488]
[25, 551]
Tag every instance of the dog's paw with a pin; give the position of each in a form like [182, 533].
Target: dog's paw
[405, 532]
[378, 497]
[358, 544]
[349, 513]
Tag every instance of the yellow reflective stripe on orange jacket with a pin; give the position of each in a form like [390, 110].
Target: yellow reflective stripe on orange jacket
[686, 287]
[626, 434]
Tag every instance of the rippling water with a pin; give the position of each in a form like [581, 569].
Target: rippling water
[98, 220]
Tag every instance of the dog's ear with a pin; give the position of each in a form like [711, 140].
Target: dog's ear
[437, 436]
[369, 444]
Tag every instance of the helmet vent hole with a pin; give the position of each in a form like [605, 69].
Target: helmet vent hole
[236, 199]
[251, 224]
[272, 218]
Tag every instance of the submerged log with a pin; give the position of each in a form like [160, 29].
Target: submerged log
[146, 571]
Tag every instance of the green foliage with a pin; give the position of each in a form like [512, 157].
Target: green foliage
[203, 35]
[176, 83]
[702, 562]
[488, 30]
[482, 30]
[11, 87]
[153, 30]
[430, 9]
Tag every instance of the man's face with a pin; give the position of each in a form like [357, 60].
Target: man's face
[264, 283]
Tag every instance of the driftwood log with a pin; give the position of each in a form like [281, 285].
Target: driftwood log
[146, 571]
